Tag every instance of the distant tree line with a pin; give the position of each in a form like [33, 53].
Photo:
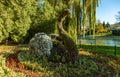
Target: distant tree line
[99, 28]
[118, 17]
[116, 31]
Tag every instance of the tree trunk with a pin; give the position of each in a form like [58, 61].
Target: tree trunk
[72, 51]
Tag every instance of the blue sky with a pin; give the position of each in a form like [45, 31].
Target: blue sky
[107, 10]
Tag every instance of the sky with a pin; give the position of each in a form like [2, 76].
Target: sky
[107, 10]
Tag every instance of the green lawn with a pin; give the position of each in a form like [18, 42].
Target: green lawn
[90, 64]
[110, 50]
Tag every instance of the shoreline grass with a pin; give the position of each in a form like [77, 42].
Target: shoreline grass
[109, 50]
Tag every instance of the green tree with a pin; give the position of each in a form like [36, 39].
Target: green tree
[89, 15]
[100, 28]
[104, 24]
[6, 22]
[118, 17]
[15, 18]
[43, 20]
[107, 25]
[92, 16]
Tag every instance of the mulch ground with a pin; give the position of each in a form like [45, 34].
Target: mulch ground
[13, 63]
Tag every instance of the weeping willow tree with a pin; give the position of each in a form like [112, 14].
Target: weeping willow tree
[85, 14]
[89, 15]
[95, 4]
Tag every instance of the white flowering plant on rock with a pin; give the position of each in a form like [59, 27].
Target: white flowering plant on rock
[41, 44]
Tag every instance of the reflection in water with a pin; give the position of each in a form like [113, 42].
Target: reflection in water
[101, 41]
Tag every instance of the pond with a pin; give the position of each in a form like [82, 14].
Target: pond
[100, 40]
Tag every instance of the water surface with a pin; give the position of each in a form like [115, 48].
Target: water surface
[100, 40]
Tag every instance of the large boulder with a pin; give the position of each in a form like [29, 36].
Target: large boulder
[41, 44]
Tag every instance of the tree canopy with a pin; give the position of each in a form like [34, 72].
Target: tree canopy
[15, 18]
[118, 17]
[21, 19]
